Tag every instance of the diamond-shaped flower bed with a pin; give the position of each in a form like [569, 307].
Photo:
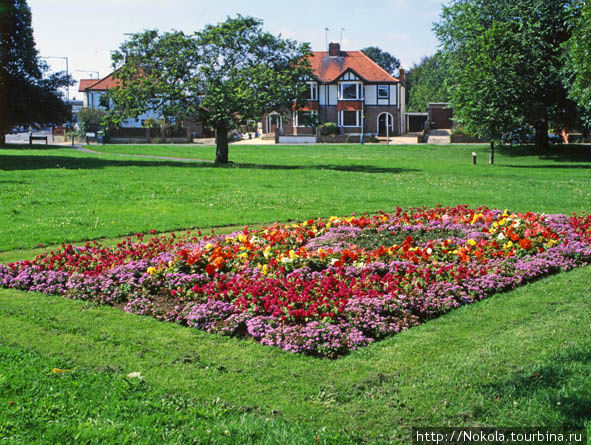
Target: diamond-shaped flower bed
[323, 287]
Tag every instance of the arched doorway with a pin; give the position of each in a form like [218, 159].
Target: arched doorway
[385, 124]
[274, 121]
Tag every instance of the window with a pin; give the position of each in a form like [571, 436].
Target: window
[350, 91]
[304, 118]
[349, 118]
[312, 91]
[383, 91]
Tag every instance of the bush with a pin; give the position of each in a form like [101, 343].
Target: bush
[329, 128]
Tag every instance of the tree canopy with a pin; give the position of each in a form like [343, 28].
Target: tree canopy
[26, 95]
[427, 82]
[579, 63]
[506, 59]
[382, 58]
[221, 76]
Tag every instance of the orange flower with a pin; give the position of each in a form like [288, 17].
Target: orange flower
[514, 237]
[525, 244]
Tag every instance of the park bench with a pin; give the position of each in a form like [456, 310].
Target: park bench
[37, 138]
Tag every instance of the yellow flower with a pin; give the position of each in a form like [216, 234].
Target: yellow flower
[208, 246]
[505, 213]
[242, 238]
[508, 245]
[151, 270]
[170, 263]
[292, 254]
[503, 222]
[471, 242]
[265, 269]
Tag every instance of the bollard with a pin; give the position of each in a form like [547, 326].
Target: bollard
[473, 158]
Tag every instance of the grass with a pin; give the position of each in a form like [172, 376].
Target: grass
[54, 195]
[517, 359]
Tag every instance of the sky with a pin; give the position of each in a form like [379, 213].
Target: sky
[87, 31]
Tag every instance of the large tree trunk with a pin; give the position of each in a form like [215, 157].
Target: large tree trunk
[221, 151]
[2, 139]
[491, 155]
[542, 136]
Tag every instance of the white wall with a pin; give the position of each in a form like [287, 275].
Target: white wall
[393, 94]
[370, 94]
[334, 91]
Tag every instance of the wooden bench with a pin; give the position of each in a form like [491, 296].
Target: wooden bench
[37, 138]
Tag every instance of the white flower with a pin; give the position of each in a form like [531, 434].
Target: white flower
[501, 237]
[135, 375]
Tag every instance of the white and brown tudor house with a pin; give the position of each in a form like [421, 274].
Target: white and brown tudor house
[350, 90]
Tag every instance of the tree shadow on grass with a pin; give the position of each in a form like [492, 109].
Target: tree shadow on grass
[26, 147]
[549, 380]
[25, 162]
[557, 153]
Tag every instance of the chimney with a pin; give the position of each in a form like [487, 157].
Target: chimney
[334, 49]
[401, 75]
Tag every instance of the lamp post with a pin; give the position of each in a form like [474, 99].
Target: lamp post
[67, 72]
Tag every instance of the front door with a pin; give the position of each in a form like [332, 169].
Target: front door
[274, 122]
[385, 122]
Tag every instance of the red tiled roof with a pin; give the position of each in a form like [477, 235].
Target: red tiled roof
[85, 83]
[98, 85]
[328, 69]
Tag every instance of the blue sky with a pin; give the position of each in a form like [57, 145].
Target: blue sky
[87, 31]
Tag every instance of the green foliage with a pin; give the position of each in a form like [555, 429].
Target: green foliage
[91, 119]
[26, 95]
[220, 76]
[506, 59]
[427, 82]
[328, 128]
[580, 59]
[383, 58]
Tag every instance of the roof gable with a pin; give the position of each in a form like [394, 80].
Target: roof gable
[329, 68]
[103, 84]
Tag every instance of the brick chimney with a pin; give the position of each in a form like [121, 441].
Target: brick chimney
[401, 75]
[334, 49]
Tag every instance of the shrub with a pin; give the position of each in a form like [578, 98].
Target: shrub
[329, 128]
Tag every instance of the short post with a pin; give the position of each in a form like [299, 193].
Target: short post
[473, 158]
[72, 139]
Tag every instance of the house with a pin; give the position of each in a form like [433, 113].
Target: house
[95, 89]
[350, 90]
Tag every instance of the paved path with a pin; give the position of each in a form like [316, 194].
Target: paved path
[82, 149]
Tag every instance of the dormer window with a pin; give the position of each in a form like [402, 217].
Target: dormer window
[383, 91]
[350, 91]
[312, 91]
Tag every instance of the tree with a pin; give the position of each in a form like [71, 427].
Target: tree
[221, 76]
[579, 62]
[427, 82]
[382, 58]
[91, 119]
[515, 46]
[26, 96]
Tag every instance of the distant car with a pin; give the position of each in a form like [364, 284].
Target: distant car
[518, 136]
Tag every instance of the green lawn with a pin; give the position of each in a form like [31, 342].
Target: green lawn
[55, 195]
[521, 358]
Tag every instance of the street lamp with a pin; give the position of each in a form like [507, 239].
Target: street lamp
[67, 72]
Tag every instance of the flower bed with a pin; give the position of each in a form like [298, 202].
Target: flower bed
[322, 287]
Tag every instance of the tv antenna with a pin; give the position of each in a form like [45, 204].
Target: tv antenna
[326, 36]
